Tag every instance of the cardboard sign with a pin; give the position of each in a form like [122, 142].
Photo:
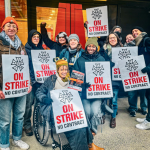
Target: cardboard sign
[98, 75]
[97, 21]
[120, 53]
[16, 79]
[76, 80]
[132, 77]
[68, 110]
[43, 64]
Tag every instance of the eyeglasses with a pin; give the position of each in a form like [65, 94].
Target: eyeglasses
[11, 26]
[35, 37]
[112, 38]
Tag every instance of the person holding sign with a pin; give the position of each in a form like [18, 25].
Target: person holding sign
[61, 40]
[143, 42]
[92, 106]
[34, 43]
[112, 41]
[73, 51]
[77, 138]
[11, 44]
[133, 95]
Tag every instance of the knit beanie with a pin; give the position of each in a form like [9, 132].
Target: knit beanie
[62, 62]
[62, 34]
[9, 19]
[137, 27]
[73, 36]
[92, 40]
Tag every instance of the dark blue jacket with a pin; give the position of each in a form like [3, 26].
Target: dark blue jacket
[51, 44]
[65, 53]
[80, 65]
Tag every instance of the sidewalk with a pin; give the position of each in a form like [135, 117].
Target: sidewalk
[124, 137]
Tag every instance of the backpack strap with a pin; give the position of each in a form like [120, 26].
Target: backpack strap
[144, 43]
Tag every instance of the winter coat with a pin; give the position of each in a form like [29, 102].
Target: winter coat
[77, 138]
[6, 48]
[144, 48]
[80, 66]
[104, 53]
[51, 44]
[65, 53]
[30, 46]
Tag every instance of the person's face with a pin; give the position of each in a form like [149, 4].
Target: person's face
[136, 33]
[73, 43]
[117, 30]
[62, 71]
[112, 40]
[62, 40]
[91, 48]
[35, 39]
[10, 29]
[129, 38]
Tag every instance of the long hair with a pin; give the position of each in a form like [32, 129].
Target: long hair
[118, 40]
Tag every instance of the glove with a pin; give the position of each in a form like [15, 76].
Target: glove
[43, 24]
[86, 85]
[47, 101]
[146, 69]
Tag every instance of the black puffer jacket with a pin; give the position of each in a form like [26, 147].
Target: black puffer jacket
[51, 44]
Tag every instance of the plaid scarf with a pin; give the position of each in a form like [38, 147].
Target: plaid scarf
[16, 43]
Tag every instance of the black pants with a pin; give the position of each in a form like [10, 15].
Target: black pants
[148, 101]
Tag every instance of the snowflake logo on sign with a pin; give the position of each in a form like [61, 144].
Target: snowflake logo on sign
[17, 64]
[98, 69]
[131, 65]
[124, 54]
[65, 96]
[43, 57]
[96, 13]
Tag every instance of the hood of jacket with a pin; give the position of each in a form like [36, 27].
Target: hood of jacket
[30, 45]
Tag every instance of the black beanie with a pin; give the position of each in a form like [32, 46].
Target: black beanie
[139, 28]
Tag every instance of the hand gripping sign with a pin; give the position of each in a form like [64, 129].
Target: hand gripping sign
[68, 110]
[16, 80]
[120, 53]
[98, 75]
[43, 64]
[132, 77]
[97, 21]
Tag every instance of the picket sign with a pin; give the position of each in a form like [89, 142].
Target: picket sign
[132, 77]
[97, 18]
[98, 75]
[43, 64]
[16, 79]
[120, 53]
[68, 110]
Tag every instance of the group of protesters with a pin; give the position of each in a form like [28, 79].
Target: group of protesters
[69, 56]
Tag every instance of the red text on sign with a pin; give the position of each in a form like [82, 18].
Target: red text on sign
[116, 71]
[135, 80]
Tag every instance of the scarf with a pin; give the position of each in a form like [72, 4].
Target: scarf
[16, 43]
[60, 84]
[108, 49]
[139, 38]
[73, 59]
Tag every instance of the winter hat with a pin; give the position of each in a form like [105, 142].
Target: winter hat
[139, 28]
[115, 28]
[92, 40]
[73, 36]
[62, 34]
[62, 62]
[9, 19]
